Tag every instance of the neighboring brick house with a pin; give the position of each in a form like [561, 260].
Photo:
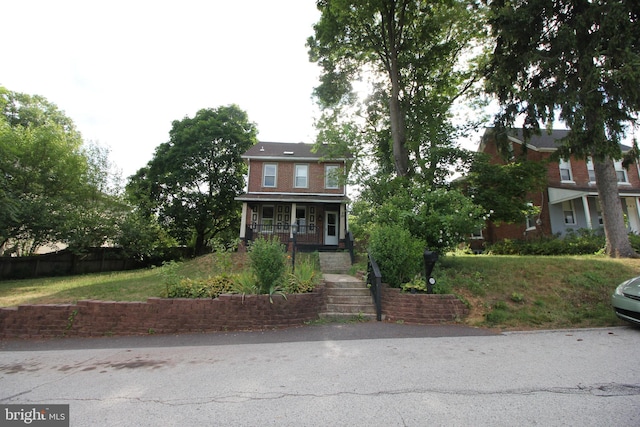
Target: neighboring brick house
[570, 201]
[289, 184]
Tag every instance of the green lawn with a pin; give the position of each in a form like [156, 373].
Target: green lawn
[507, 292]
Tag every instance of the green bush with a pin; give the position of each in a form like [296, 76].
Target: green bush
[398, 254]
[268, 258]
[581, 242]
[211, 287]
[305, 277]
[244, 283]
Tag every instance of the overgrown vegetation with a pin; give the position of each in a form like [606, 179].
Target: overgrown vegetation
[509, 292]
[268, 273]
[581, 242]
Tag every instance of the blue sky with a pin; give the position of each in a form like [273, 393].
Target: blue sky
[124, 70]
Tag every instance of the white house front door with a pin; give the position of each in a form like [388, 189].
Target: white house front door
[331, 228]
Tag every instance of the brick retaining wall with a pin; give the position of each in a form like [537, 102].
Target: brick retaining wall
[226, 313]
[159, 315]
[421, 308]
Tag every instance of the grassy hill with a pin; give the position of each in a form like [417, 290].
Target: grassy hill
[508, 292]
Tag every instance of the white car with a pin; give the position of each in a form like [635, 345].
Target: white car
[626, 301]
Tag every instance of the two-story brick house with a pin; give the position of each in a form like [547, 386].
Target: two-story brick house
[570, 201]
[292, 188]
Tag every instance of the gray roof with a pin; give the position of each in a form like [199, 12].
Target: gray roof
[285, 150]
[545, 141]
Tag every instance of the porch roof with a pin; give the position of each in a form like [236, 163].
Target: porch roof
[293, 198]
[559, 195]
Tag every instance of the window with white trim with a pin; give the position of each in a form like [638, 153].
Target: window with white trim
[530, 220]
[477, 234]
[599, 212]
[621, 172]
[591, 170]
[565, 170]
[331, 181]
[270, 175]
[568, 212]
[301, 179]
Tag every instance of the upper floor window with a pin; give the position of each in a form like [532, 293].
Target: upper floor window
[331, 176]
[591, 170]
[301, 179]
[565, 170]
[621, 172]
[269, 175]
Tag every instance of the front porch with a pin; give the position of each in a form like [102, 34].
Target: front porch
[575, 209]
[313, 225]
[307, 237]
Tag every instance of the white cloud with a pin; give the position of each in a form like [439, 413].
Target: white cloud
[124, 70]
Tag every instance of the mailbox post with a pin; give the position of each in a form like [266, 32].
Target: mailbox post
[293, 252]
[430, 259]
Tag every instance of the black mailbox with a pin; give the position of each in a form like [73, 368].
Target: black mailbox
[430, 259]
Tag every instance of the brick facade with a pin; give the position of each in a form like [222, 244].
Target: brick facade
[285, 177]
[421, 308]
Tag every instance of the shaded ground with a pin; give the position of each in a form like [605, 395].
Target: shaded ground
[320, 332]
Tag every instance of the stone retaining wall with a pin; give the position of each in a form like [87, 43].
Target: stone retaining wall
[421, 308]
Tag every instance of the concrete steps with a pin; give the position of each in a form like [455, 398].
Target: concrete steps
[335, 262]
[347, 298]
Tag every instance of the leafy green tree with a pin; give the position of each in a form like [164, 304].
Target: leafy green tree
[504, 188]
[142, 238]
[50, 182]
[578, 60]
[441, 218]
[412, 50]
[192, 180]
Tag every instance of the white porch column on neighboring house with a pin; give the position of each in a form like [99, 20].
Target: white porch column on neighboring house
[243, 221]
[587, 213]
[293, 219]
[343, 220]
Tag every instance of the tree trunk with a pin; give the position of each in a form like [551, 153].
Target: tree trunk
[617, 240]
[199, 246]
[396, 115]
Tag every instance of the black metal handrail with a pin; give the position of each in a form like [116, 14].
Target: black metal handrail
[349, 244]
[374, 280]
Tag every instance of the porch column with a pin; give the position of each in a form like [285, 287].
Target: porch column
[243, 221]
[293, 219]
[343, 221]
[587, 213]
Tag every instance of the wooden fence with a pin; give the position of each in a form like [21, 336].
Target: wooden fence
[65, 262]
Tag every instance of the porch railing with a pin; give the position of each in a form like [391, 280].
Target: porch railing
[374, 280]
[307, 234]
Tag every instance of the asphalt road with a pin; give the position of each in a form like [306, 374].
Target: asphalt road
[368, 374]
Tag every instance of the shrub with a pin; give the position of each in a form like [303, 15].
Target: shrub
[581, 242]
[398, 254]
[211, 287]
[305, 277]
[244, 283]
[268, 262]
